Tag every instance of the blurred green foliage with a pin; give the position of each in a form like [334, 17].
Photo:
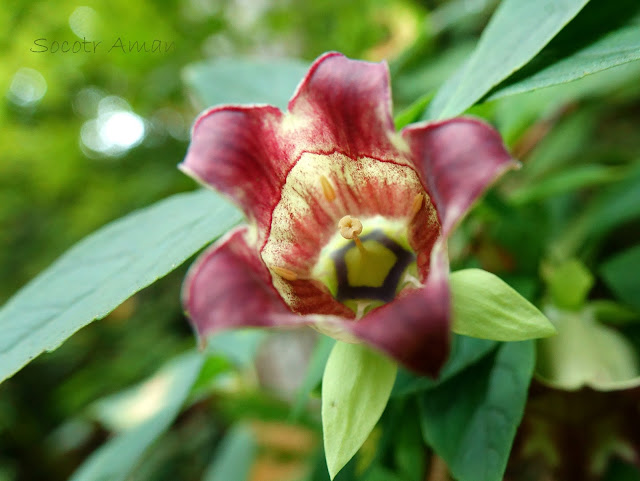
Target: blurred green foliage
[577, 197]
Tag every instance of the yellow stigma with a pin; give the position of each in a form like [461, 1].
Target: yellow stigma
[327, 190]
[350, 228]
[285, 273]
[417, 205]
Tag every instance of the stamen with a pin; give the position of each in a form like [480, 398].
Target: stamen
[350, 228]
[327, 189]
[417, 205]
[361, 307]
[285, 273]
[409, 279]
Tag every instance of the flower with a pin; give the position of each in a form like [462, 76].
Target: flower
[347, 218]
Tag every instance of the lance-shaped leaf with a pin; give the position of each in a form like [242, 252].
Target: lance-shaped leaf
[485, 306]
[599, 38]
[356, 386]
[103, 270]
[522, 23]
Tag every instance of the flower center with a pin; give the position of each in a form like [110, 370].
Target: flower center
[365, 267]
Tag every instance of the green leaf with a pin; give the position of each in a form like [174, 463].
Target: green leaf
[577, 177]
[617, 204]
[518, 30]
[610, 312]
[245, 81]
[162, 396]
[413, 112]
[356, 386]
[599, 38]
[622, 275]
[104, 269]
[569, 283]
[470, 421]
[485, 306]
[234, 457]
[586, 353]
[465, 351]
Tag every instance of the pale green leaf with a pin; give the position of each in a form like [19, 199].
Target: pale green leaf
[485, 306]
[104, 269]
[569, 283]
[245, 81]
[470, 421]
[356, 386]
[586, 353]
[156, 403]
[518, 30]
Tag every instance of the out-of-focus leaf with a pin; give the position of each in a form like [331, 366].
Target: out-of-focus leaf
[600, 37]
[617, 204]
[465, 351]
[234, 457]
[160, 399]
[238, 345]
[428, 74]
[314, 373]
[619, 470]
[502, 50]
[471, 420]
[485, 306]
[622, 275]
[356, 386]
[611, 312]
[103, 270]
[413, 112]
[569, 283]
[245, 81]
[576, 178]
[585, 353]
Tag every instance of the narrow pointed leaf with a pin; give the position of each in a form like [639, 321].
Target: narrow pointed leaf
[485, 306]
[518, 30]
[599, 38]
[104, 269]
[356, 386]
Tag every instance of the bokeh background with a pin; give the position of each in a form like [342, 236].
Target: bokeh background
[89, 137]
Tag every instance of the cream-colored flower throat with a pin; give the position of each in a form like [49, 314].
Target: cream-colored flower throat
[367, 263]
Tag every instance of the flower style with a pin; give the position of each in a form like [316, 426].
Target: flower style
[347, 218]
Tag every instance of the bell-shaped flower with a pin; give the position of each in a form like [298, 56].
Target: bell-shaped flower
[348, 219]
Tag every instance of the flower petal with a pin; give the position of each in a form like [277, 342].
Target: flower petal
[246, 152]
[346, 107]
[237, 151]
[229, 287]
[457, 160]
[414, 328]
